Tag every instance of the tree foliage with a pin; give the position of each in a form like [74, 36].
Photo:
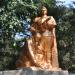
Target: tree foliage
[16, 15]
[66, 37]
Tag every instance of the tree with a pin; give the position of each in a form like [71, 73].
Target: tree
[14, 15]
[65, 31]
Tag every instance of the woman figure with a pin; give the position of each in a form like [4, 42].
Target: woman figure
[41, 49]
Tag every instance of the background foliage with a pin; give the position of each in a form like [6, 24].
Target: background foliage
[15, 19]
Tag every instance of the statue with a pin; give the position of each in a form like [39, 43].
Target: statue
[41, 49]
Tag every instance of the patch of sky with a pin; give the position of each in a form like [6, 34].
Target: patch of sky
[67, 3]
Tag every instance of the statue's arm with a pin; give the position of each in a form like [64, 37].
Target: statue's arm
[33, 26]
[51, 23]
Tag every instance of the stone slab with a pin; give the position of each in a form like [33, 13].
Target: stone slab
[71, 73]
[29, 71]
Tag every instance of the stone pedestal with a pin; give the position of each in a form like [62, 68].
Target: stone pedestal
[29, 71]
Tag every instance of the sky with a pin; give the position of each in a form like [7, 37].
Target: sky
[67, 2]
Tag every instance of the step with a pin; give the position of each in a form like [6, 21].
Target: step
[30, 71]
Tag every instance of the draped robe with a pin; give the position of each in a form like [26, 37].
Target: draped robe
[41, 49]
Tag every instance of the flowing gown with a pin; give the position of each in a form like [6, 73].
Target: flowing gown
[41, 49]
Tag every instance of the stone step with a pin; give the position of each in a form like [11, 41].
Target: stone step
[29, 71]
[72, 74]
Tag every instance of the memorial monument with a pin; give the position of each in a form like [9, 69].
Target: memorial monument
[40, 55]
[41, 49]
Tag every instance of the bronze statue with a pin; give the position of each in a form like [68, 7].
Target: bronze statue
[41, 49]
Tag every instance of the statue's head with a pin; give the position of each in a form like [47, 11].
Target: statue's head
[43, 10]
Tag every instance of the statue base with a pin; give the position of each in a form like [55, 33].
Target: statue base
[29, 71]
